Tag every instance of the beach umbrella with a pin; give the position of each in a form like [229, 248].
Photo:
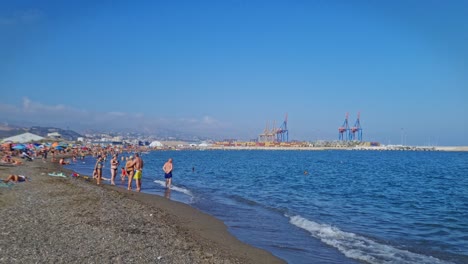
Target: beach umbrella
[18, 147]
[59, 148]
[55, 144]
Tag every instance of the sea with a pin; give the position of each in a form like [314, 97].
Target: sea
[335, 206]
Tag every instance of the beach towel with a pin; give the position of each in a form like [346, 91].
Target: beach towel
[6, 185]
[60, 174]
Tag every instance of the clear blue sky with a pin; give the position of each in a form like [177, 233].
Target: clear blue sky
[225, 68]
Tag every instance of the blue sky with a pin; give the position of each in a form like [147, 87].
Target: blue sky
[226, 68]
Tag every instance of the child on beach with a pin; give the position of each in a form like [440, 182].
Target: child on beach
[123, 174]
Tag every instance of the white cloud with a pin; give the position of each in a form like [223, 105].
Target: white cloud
[30, 106]
[66, 116]
[118, 114]
[208, 120]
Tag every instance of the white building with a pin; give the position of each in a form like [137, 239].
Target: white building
[54, 135]
[23, 138]
[155, 144]
[204, 145]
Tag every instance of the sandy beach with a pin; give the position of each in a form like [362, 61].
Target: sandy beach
[67, 220]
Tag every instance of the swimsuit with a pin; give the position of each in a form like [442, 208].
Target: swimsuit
[115, 166]
[137, 175]
[168, 175]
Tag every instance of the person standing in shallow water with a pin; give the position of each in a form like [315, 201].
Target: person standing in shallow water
[138, 166]
[167, 168]
[129, 168]
[114, 167]
[98, 169]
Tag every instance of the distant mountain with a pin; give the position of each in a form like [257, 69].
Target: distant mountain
[156, 134]
[8, 131]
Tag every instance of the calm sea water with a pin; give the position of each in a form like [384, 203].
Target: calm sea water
[351, 207]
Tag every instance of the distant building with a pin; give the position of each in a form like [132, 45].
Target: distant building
[54, 135]
[23, 138]
[80, 139]
[204, 145]
[118, 138]
[155, 144]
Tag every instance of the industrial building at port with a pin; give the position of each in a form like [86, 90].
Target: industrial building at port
[278, 137]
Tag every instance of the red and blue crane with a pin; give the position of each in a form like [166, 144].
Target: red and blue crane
[354, 133]
[343, 130]
[356, 129]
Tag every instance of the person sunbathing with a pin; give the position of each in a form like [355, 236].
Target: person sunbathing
[15, 178]
[7, 159]
[63, 162]
[16, 162]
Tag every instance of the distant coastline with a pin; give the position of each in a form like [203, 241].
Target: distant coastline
[377, 148]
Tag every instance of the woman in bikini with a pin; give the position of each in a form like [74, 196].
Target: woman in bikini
[130, 170]
[114, 167]
[98, 169]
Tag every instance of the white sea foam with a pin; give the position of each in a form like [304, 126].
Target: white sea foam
[359, 247]
[175, 188]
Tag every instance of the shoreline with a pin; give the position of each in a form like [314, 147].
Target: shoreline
[54, 219]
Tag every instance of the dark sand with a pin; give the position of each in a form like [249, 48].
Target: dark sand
[65, 220]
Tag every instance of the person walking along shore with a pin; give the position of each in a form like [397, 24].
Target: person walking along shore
[167, 168]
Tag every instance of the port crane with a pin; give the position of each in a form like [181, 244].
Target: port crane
[282, 133]
[343, 130]
[356, 129]
[275, 134]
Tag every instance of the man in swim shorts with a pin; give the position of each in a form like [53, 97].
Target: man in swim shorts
[167, 168]
[138, 166]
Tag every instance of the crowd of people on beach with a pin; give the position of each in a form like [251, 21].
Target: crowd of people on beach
[132, 169]
[16, 156]
[132, 165]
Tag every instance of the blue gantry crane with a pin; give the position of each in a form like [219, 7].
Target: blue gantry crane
[356, 129]
[343, 130]
[282, 133]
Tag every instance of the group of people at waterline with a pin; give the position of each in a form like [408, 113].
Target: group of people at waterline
[133, 169]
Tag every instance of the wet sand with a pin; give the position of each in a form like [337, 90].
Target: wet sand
[67, 220]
